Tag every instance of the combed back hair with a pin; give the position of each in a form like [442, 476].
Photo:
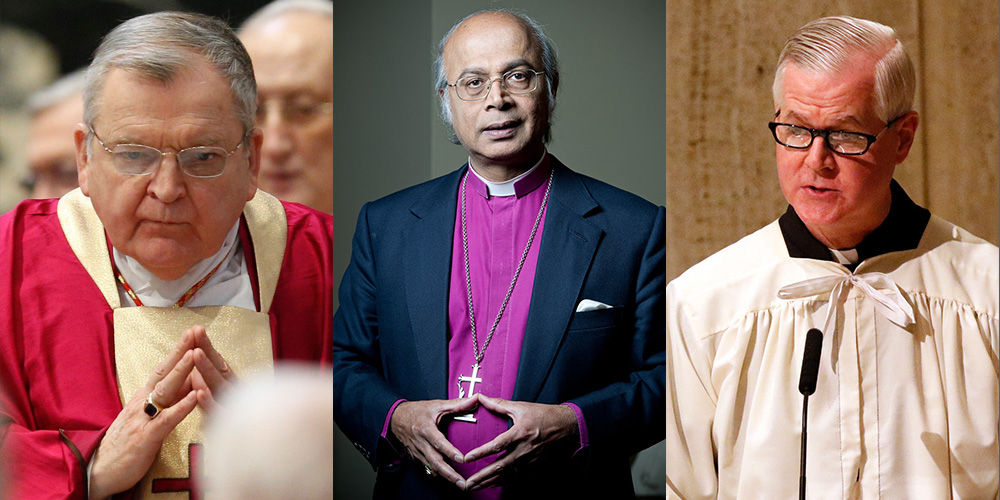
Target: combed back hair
[66, 87]
[159, 45]
[829, 44]
[278, 8]
[550, 65]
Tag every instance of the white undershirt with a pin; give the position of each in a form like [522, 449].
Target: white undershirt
[845, 257]
[229, 286]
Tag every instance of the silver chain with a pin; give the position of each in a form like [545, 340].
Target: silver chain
[468, 281]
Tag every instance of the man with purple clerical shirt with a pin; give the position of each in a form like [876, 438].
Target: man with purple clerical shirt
[501, 329]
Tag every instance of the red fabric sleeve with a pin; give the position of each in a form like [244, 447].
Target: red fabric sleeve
[58, 393]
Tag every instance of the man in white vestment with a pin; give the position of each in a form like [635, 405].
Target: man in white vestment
[905, 401]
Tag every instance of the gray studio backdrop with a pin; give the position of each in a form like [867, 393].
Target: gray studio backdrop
[609, 121]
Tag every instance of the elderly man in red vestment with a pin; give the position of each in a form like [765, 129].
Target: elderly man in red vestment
[129, 305]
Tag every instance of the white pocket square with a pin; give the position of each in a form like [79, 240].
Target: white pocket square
[591, 305]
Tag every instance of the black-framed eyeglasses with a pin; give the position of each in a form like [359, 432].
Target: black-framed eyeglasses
[838, 141]
[515, 81]
[200, 161]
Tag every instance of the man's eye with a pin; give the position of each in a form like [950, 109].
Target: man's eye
[202, 156]
[474, 83]
[517, 76]
[134, 156]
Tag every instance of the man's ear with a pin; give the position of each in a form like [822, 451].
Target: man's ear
[256, 138]
[907, 127]
[553, 81]
[82, 159]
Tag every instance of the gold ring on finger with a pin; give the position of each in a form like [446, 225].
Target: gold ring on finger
[428, 469]
[151, 409]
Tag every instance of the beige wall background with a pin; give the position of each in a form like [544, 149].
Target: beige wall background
[721, 178]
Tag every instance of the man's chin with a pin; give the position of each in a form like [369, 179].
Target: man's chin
[167, 259]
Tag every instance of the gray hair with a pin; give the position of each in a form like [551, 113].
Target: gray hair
[273, 437]
[550, 64]
[57, 92]
[278, 8]
[827, 44]
[159, 45]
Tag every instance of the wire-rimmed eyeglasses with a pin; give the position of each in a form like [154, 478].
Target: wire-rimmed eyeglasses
[200, 161]
[515, 81]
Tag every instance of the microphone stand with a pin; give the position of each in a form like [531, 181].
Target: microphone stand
[802, 457]
[807, 386]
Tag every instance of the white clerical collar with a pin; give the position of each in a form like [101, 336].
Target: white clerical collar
[505, 188]
[845, 257]
[230, 285]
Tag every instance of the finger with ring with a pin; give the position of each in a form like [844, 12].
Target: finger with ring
[151, 409]
[428, 469]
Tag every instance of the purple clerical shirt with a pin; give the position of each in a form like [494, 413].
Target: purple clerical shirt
[497, 228]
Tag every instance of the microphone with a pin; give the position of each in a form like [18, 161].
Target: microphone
[810, 362]
[807, 386]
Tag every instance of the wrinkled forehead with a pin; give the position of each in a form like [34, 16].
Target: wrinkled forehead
[490, 38]
[194, 92]
[846, 96]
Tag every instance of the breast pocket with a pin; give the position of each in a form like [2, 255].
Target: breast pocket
[600, 319]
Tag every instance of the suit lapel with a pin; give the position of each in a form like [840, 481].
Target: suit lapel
[569, 242]
[428, 240]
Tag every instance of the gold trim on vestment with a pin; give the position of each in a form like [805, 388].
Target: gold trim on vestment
[143, 336]
[268, 226]
[85, 234]
[242, 337]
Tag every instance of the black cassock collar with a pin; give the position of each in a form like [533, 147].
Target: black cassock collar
[901, 230]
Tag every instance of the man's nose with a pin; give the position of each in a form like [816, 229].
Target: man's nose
[497, 95]
[277, 142]
[819, 156]
[167, 181]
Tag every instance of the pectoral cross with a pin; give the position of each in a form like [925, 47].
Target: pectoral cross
[472, 387]
[183, 484]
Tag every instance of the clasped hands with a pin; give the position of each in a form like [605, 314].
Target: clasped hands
[536, 429]
[193, 374]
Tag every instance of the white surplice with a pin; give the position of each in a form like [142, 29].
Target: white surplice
[898, 413]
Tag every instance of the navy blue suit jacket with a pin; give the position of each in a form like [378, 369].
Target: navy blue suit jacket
[390, 332]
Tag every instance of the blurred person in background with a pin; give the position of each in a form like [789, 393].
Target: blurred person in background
[272, 438]
[291, 45]
[55, 111]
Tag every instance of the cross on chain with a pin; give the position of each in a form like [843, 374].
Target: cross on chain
[180, 484]
[472, 387]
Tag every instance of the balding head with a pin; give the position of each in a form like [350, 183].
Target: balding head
[550, 63]
[510, 62]
[291, 46]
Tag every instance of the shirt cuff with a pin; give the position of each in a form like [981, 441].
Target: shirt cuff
[385, 431]
[582, 425]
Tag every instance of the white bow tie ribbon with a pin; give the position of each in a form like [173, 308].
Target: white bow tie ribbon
[888, 297]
